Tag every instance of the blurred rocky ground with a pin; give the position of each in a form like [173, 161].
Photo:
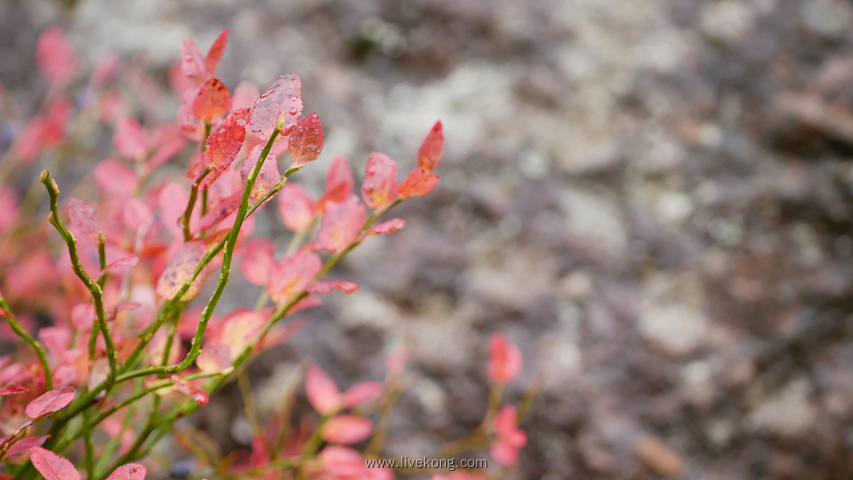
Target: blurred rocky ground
[653, 198]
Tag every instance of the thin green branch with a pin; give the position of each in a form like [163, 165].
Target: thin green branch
[29, 340]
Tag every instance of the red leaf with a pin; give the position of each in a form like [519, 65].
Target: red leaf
[180, 269]
[55, 57]
[196, 393]
[322, 392]
[326, 286]
[419, 183]
[130, 139]
[505, 359]
[429, 154]
[339, 182]
[291, 275]
[306, 140]
[346, 429]
[225, 142]
[50, 402]
[212, 100]
[341, 224]
[115, 179]
[219, 211]
[240, 328]
[267, 177]
[13, 389]
[384, 228]
[280, 104]
[131, 471]
[245, 94]
[214, 55]
[24, 444]
[214, 358]
[52, 466]
[193, 64]
[257, 260]
[295, 207]
[380, 181]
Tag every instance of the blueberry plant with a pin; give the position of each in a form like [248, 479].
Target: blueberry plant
[117, 329]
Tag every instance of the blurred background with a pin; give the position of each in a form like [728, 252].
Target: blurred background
[652, 198]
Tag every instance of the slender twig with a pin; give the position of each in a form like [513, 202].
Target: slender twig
[29, 340]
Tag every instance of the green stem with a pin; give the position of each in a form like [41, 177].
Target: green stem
[29, 340]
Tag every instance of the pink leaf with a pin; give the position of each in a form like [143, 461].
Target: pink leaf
[131, 471]
[180, 269]
[240, 328]
[50, 402]
[306, 140]
[214, 55]
[390, 226]
[187, 388]
[214, 358]
[257, 260]
[380, 181]
[341, 224]
[13, 390]
[267, 177]
[84, 225]
[115, 179]
[128, 261]
[219, 211]
[295, 207]
[362, 393]
[53, 466]
[505, 360]
[24, 444]
[429, 154]
[326, 286]
[291, 275]
[281, 105]
[346, 429]
[193, 65]
[339, 181]
[130, 139]
[509, 437]
[212, 100]
[245, 94]
[419, 183]
[322, 392]
[225, 142]
[136, 215]
[165, 152]
[55, 57]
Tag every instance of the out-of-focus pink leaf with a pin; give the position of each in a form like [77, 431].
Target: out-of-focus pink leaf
[429, 154]
[50, 402]
[193, 65]
[505, 359]
[180, 269]
[225, 142]
[28, 145]
[13, 389]
[128, 261]
[245, 94]
[268, 176]
[214, 55]
[165, 152]
[339, 182]
[341, 224]
[188, 388]
[23, 445]
[389, 226]
[280, 104]
[136, 215]
[53, 466]
[214, 358]
[130, 139]
[240, 328]
[509, 437]
[322, 392]
[84, 225]
[115, 179]
[131, 471]
[291, 275]
[362, 393]
[55, 339]
[212, 100]
[419, 183]
[219, 211]
[257, 260]
[306, 140]
[295, 207]
[346, 429]
[326, 286]
[380, 181]
[55, 57]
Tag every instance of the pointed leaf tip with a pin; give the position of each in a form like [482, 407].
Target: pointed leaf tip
[429, 154]
[50, 402]
[306, 141]
[212, 100]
